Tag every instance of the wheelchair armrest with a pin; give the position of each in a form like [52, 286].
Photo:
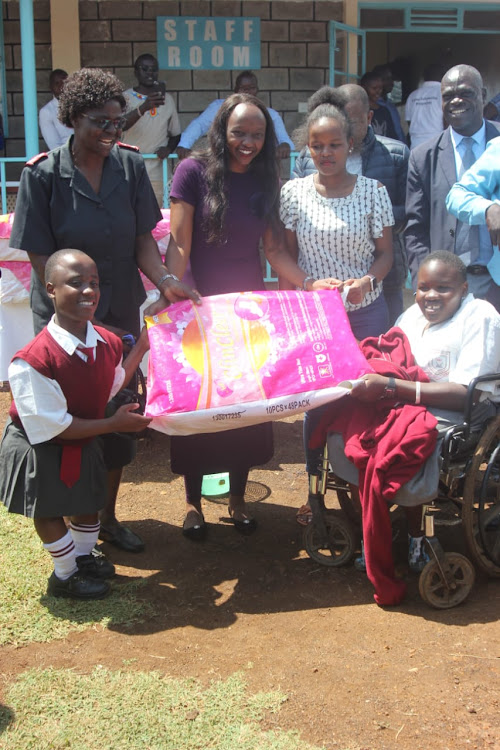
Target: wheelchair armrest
[463, 431]
[469, 399]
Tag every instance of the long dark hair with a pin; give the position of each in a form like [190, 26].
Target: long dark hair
[216, 159]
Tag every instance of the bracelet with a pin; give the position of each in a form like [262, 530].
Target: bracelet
[307, 278]
[417, 392]
[165, 277]
[138, 110]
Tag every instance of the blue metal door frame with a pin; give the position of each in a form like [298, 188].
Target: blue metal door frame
[431, 18]
[360, 34]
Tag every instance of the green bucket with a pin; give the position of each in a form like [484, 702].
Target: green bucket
[214, 485]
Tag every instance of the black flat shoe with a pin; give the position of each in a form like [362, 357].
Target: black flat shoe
[95, 565]
[122, 537]
[196, 533]
[244, 526]
[77, 586]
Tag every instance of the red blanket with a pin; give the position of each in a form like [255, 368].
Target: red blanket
[388, 442]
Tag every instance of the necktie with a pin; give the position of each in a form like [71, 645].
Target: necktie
[467, 237]
[468, 157]
[89, 353]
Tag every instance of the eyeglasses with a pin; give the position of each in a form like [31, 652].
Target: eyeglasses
[103, 123]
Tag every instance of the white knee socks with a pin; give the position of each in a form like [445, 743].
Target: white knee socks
[84, 536]
[63, 556]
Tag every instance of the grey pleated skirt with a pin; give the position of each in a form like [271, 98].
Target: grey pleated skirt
[29, 478]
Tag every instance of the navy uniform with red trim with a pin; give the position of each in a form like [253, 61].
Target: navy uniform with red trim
[57, 208]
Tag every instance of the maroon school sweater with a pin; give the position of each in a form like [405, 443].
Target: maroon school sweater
[85, 386]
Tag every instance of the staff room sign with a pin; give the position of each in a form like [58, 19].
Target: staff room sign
[190, 43]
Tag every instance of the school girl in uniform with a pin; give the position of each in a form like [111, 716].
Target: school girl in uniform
[51, 463]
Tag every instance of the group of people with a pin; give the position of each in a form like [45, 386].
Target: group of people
[151, 119]
[84, 214]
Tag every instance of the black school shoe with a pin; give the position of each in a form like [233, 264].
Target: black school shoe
[122, 537]
[95, 565]
[77, 587]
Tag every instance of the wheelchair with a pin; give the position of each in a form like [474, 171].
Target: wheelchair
[469, 483]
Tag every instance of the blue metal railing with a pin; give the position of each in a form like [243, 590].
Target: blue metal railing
[3, 177]
[167, 172]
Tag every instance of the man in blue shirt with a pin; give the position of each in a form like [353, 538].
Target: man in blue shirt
[246, 83]
[475, 200]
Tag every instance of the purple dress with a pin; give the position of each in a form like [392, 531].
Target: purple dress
[233, 266]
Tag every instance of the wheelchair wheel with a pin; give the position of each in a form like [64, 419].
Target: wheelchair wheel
[481, 502]
[338, 548]
[433, 589]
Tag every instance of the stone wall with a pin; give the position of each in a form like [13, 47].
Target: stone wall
[294, 55]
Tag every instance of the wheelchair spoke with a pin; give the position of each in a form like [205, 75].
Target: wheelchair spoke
[481, 506]
[337, 548]
[433, 588]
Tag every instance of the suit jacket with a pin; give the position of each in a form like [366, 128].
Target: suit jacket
[431, 175]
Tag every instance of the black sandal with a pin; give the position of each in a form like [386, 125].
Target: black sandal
[244, 526]
[196, 533]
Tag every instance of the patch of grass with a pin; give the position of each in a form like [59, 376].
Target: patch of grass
[136, 710]
[27, 614]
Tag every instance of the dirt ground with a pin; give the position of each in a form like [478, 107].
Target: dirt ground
[356, 675]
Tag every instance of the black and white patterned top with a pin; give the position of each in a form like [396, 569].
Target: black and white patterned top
[336, 236]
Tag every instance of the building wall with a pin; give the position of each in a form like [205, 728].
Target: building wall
[294, 55]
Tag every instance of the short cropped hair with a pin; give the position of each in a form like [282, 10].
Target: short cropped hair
[56, 260]
[241, 76]
[449, 259]
[144, 56]
[56, 72]
[369, 77]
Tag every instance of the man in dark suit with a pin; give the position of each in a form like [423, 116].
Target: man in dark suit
[435, 166]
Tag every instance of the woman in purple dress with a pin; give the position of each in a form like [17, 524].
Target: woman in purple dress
[223, 202]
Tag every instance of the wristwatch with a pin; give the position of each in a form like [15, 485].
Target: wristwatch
[373, 282]
[390, 388]
[165, 277]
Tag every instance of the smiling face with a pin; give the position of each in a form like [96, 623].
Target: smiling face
[74, 290]
[329, 146]
[462, 100]
[245, 136]
[90, 135]
[374, 89]
[440, 290]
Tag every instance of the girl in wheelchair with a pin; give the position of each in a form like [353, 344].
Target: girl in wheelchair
[453, 339]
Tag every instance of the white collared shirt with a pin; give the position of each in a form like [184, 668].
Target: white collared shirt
[458, 349]
[479, 138]
[53, 131]
[40, 402]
